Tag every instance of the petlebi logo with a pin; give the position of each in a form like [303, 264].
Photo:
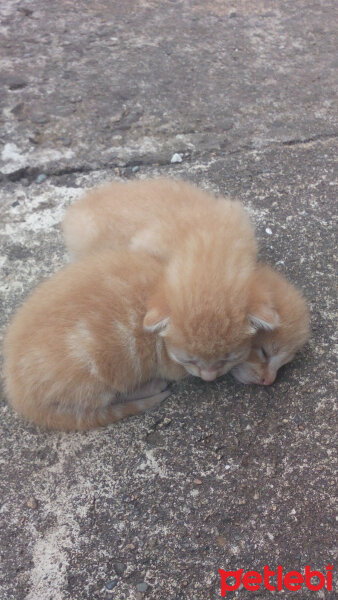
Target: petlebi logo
[276, 580]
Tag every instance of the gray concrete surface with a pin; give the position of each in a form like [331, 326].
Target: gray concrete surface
[221, 475]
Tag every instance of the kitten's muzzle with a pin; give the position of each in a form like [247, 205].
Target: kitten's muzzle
[208, 374]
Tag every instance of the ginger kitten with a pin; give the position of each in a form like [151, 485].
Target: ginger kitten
[273, 349]
[152, 214]
[76, 353]
[207, 304]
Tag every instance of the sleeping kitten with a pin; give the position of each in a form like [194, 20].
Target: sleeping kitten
[207, 305]
[76, 353]
[273, 349]
[152, 214]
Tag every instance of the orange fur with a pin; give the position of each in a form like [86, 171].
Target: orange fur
[208, 291]
[281, 344]
[197, 234]
[153, 214]
[76, 353]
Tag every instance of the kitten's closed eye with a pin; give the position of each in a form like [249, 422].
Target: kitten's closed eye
[263, 353]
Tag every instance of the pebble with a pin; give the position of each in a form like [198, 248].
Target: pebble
[135, 169]
[165, 423]
[197, 481]
[119, 568]
[111, 584]
[16, 83]
[40, 119]
[221, 541]
[32, 503]
[176, 158]
[75, 99]
[130, 546]
[268, 231]
[142, 587]
[41, 178]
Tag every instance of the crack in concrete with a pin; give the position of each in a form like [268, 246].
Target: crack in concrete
[30, 173]
[314, 138]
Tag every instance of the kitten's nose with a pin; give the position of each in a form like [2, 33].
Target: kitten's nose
[208, 375]
[268, 379]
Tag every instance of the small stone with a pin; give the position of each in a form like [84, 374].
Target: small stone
[165, 423]
[16, 203]
[32, 503]
[16, 83]
[40, 119]
[41, 178]
[75, 99]
[27, 12]
[119, 568]
[142, 587]
[268, 231]
[135, 169]
[111, 584]
[197, 482]
[221, 541]
[18, 108]
[176, 158]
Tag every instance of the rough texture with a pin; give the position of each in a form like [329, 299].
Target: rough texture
[221, 475]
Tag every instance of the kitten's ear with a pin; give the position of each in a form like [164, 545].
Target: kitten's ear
[155, 320]
[157, 317]
[261, 311]
[264, 317]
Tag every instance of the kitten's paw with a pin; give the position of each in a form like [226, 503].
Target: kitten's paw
[156, 386]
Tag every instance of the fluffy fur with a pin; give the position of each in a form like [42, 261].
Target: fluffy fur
[152, 214]
[207, 305]
[76, 354]
[273, 349]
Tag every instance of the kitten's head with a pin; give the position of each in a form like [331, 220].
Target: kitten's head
[272, 349]
[208, 326]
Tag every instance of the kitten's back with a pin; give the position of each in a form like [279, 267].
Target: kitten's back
[153, 215]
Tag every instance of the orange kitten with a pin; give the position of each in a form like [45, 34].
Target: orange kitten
[207, 304]
[273, 349]
[155, 214]
[76, 353]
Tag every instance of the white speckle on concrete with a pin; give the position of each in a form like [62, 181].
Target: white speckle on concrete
[176, 158]
[46, 575]
[152, 463]
[12, 158]
[268, 231]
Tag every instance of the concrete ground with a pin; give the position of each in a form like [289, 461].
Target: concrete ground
[221, 475]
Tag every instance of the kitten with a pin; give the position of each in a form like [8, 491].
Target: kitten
[273, 349]
[207, 305]
[76, 353]
[152, 214]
